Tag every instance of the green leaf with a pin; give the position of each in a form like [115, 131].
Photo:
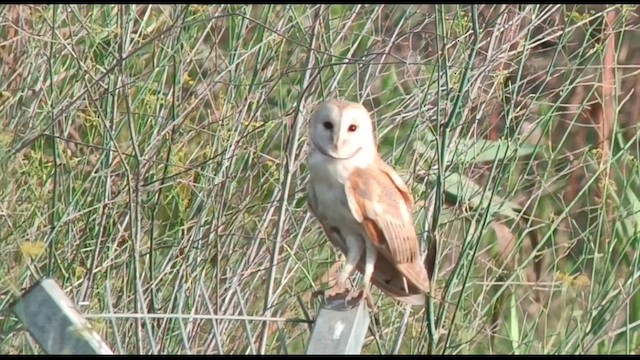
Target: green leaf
[469, 193]
[480, 150]
[514, 327]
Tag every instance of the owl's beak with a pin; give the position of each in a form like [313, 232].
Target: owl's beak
[334, 149]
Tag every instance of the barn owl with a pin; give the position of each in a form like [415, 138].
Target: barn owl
[363, 205]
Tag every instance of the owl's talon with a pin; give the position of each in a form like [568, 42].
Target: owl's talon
[337, 291]
[364, 294]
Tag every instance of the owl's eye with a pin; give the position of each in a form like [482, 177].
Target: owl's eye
[352, 128]
[327, 125]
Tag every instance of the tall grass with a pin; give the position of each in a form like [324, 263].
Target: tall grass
[153, 162]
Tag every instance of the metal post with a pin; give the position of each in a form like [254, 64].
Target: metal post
[339, 329]
[55, 323]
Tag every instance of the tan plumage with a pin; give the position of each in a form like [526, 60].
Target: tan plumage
[363, 205]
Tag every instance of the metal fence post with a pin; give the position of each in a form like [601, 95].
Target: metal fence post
[55, 323]
[339, 329]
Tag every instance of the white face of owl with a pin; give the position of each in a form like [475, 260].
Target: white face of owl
[342, 131]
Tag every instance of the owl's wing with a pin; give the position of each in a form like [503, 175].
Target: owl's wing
[382, 207]
[430, 259]
[386, 276]
[397, 180]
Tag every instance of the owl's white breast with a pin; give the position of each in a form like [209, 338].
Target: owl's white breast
[327, 177]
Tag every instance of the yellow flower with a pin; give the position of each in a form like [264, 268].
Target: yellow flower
[562, 277]
[188, 80]
[581, 281]
[32, 249]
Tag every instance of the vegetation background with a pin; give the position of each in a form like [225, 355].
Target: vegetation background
[152, 161]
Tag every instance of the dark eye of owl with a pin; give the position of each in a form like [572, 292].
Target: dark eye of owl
[327, 125]
[352, 128]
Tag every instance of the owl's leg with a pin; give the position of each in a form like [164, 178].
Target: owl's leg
[354, 252]
[355, 247]
[365, 292]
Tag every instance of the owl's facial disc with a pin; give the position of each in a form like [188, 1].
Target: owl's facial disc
[342, 132]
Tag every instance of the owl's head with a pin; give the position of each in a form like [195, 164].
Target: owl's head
[342, 130]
